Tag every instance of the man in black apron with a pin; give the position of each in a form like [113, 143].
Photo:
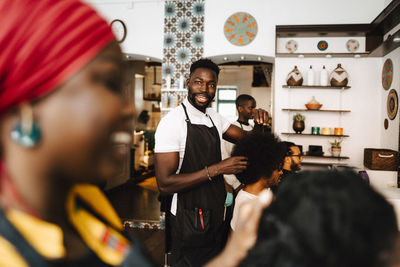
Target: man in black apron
[197, 228]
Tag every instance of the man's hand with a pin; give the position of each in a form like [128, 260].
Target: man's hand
[230, 165]
[261, 117]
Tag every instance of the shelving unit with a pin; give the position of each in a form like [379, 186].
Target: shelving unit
[315, 110]
[315, 87]
[316, 135]
[327, 55]
[339, 111]
[167, 103]
[174, 90]
[326, 157]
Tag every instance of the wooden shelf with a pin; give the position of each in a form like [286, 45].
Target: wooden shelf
[315, 87]
[324, 135]
[315, 110]
[310, 163]
[322, 30]
[387, 46]
[174, 90]
[325, 157]
[328, 55]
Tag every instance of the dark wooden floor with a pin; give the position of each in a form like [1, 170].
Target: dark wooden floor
[138, 206]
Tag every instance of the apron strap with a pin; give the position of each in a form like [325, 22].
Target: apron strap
[184, 109]
[187, 116]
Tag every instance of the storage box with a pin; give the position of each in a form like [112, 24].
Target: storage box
[381, 159]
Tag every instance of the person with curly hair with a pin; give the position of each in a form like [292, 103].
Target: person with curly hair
[265, 156]
[325, 219]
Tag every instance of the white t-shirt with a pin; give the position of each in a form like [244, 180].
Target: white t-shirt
[171, 132]
[226, 150]
[241, 197]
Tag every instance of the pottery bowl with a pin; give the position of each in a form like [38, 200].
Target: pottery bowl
[313, 106]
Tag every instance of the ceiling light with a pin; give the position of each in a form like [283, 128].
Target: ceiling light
[357, 56]
[300, 56]
[328, 56]
[259, 58]
[225, 58]
[147, 59]
[128, 57]
[241, 57]
[396, 39]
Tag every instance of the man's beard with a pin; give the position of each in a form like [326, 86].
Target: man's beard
[202, 106]
[295, 167]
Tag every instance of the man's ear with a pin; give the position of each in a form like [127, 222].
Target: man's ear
[240, 109]
[187, 83]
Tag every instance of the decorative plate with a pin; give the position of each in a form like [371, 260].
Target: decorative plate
[240, 29]
[291, 46]
[392, 104]
[387, 74]
[322, 45]
[352, 45]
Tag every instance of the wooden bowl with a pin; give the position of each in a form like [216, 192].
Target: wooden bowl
[313, 106]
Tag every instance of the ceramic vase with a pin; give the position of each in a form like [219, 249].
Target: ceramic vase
[336, 151]
[339, 76]
[298, 126]
[294, 78]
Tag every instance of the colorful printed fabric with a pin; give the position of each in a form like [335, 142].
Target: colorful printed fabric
[43, 43]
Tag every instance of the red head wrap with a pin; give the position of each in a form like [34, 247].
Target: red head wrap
[43, 43]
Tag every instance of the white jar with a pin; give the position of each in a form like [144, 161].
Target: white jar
[324, 77]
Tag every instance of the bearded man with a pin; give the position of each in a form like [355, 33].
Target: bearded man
[189, 168]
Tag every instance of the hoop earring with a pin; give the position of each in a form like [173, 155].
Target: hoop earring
[27, 131]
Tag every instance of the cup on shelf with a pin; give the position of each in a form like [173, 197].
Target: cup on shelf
[315, 130]
[338, 131]
[326, 131]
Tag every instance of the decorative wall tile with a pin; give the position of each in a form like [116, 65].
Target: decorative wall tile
[183, 38]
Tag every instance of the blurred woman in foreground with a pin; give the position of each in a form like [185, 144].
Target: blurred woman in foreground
[61, 114]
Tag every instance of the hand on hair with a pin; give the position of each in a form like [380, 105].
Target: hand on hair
[261, 116]
[230, 165]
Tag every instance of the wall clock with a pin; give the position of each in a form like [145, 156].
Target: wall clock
[119, 29]
[387, 74]
[240, 29]
[392, 104]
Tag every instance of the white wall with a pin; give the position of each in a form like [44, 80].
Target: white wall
[145, 24]
[363, 99]
[390, 136]
[269, 13]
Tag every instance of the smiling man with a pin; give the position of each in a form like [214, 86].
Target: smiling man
[189, 168]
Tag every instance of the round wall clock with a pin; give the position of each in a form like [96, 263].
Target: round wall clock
[240, 29]
[392, 104]
[387, 74]
[119, 29]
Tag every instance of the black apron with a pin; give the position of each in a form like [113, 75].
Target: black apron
[198, 230]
